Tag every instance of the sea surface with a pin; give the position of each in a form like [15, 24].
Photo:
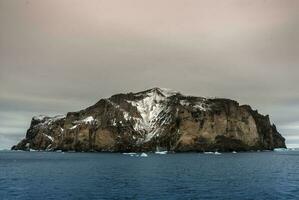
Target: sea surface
[53, 175]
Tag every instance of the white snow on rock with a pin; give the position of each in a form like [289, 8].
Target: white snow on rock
[113, 122]
[149, 109]
[39, 117]
[88, 120]
[184, 103]
[85, 120]
[201, 105]
[152, 105]
[49, 137]
[47, 120]
[73, 127]
[167, 92]
[55, 118]
[126, 115]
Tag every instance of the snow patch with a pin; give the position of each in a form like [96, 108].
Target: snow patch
[168, 92]
[88, 119]
[126, 115]
[201, 105]
[49, 137]
[39, 117]
[47, 120]
[73, 127]
[184, 103]
[149, 108]
[113, 122]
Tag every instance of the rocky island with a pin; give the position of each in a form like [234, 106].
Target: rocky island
[155, 119]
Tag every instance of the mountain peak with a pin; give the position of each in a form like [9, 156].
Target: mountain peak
[160, 91]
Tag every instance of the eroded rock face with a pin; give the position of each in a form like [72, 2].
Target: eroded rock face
[156, 118]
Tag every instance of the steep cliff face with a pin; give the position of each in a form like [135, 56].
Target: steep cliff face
[156, 118]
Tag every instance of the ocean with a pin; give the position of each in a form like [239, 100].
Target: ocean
[53, 175]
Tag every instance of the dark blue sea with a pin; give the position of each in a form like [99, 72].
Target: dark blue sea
[52, 175]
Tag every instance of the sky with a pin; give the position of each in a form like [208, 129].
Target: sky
[58, 56]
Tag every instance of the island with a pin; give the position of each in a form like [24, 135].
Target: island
[155, 119]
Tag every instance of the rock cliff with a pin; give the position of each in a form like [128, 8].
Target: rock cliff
[155, 119]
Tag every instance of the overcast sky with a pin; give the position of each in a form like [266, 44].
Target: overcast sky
[64, 55]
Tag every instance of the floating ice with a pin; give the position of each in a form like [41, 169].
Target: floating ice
[161, 152]
[280, 149]
[130, 153]
[208, 152]
[143, 155]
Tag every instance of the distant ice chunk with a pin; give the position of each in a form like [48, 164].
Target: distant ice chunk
[32, 150]
[280, 149]
[132, 153]
[143, 155]
[208, 152]
[161, 152]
